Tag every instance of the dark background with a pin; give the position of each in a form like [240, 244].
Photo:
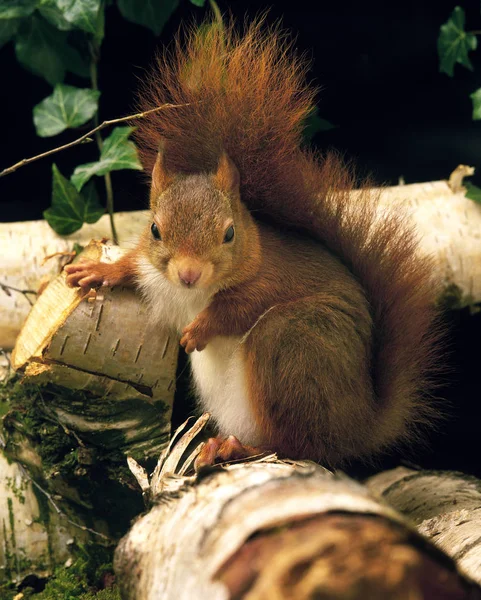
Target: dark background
[395, 114]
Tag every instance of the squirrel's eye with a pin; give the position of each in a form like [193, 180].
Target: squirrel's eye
[155, 231]
[229, 234]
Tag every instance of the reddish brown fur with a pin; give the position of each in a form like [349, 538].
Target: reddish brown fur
[247, 95]
[190, 211]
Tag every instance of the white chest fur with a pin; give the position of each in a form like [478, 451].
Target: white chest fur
[220, 380]
[218, 370]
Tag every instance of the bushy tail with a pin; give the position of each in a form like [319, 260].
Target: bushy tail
[246, 94]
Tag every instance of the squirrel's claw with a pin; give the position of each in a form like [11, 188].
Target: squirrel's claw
[190, 344]
[87, 274]
[193, 338]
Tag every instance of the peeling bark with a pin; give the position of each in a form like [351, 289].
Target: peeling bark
[445, 507]
[270, 529]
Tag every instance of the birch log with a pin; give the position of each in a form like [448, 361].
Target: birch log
[444, 506]
[36, 535]
[449, 225]
[23, 249]
[107, 384]
[103, 344]
[270, 529]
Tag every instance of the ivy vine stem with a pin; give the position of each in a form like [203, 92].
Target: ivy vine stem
[94, 57]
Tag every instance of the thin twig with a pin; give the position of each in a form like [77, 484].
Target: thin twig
[63, 254]
[86, 136]
[56, 507]
[9, 288]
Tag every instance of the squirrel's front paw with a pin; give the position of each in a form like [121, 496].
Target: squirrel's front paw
[195, 336]
[88, 274]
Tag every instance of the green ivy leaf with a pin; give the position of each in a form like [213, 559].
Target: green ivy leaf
[93, 209]
[473, 193]
[44, 50]
[36, 48]
[77, 248]
[315, 124]
[8, 28]
[117, 153]
[454, 43]
[12, 9]
[153, 14]
[476, 99]
[70, 209]
[50, 12]
[72, 14]
[200, 3]
[67, 107]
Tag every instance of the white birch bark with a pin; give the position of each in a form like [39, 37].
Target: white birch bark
[445, 507]
[197, 541]
[449, 225]
[23, 249]
[35, 535]
[102, 343]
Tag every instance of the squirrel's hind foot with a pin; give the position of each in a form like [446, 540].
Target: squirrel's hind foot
[219, 450]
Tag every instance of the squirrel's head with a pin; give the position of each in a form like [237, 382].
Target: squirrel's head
[201, 234]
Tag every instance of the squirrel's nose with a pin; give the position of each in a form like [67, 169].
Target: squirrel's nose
[189, 276]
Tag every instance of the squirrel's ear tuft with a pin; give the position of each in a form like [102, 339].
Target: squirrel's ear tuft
[227, 177]
[161, 178]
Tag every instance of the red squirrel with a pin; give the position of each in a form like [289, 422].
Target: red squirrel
[309, 320]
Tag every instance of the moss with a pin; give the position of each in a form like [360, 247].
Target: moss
[8, 591]
[11, 519]
[4, 407]
[7, 552]
[83, 580]
[108, 594]
[94, 476]
[103, 484]
[18, 492]
[453, 298]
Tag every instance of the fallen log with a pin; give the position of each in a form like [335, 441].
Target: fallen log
[39, 531]
[24, 250]
[102, 343]
[97, 385]
[445, 506]
[447, 222]
[270, 529]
